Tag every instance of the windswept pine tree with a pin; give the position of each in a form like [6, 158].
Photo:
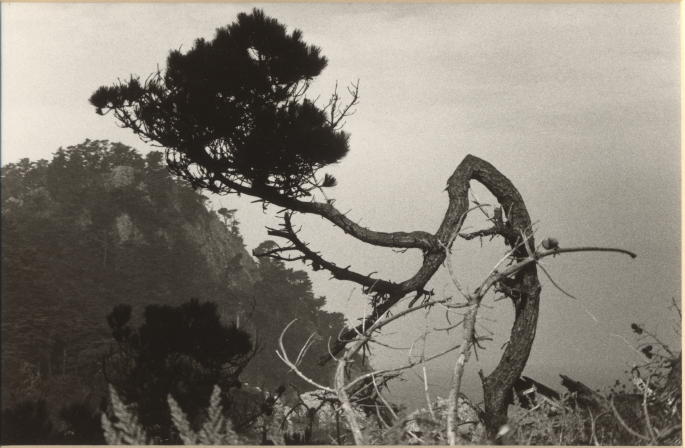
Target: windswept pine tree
[234, 117]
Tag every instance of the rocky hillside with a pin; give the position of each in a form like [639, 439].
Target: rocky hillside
[100, 225]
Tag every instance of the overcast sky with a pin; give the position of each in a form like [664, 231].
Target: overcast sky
[579, 105]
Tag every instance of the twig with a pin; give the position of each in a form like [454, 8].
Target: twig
[648, 420]
[593, 427]
[283, 355]
[587, 249]
[478, 204]
[404, 367]
[462, 359]
[426, 391]
[623, 423]
[423, 367]
[676, 305]
[382, 398]
[555, 283]
[340, 390]
[304, 349]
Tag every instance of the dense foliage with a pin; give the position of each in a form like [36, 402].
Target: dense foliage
[183, 351]
[231, 111]
[99, 226]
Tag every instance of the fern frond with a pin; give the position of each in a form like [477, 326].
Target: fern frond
[180, 421]
[112, 436]
[211, 431]
[126, 430]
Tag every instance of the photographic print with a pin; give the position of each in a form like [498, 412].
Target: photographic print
[341, 224]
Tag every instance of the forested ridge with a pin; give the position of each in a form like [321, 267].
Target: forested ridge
[101, 225]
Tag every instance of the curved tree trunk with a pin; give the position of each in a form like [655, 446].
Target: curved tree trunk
[524, 289]
[498, 385]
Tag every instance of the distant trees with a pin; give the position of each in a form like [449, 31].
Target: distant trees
[97, 225]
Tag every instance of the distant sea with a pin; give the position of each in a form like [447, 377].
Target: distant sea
[410, 390]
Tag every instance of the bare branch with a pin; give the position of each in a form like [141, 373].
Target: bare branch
[648, 420]
[341, 391]
[492, 231]
[402, 368]
[337, 111]
[549, 277]
[304, 349]
[372, 285]
[546, 253]
[283, 355]
[380, 396]
[457, 375]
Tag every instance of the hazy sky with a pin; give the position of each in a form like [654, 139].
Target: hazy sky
[579, 105]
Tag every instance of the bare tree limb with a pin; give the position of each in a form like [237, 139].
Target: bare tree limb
[457, 375]
[283, 355]
[371, 284]
[350, 415]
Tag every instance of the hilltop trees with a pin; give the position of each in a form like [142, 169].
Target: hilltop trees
[234, 117]
[97, 225]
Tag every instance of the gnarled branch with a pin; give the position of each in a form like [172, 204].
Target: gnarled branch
[371, 285]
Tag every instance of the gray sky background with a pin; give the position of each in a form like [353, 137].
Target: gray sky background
[579, 105]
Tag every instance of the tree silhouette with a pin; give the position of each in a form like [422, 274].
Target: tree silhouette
[233, 116]
[183, 351]
[232, 111]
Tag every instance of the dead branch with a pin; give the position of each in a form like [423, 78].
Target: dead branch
[401, 368]
[648, 420]
[345, 404]
[371, 285]
[549, 277]
[339, 111]
[593, 426]
[283, 355]
[457, 375]
[492, 231]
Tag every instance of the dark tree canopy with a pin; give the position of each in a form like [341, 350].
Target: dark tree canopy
[183, 351]
[231, 112]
